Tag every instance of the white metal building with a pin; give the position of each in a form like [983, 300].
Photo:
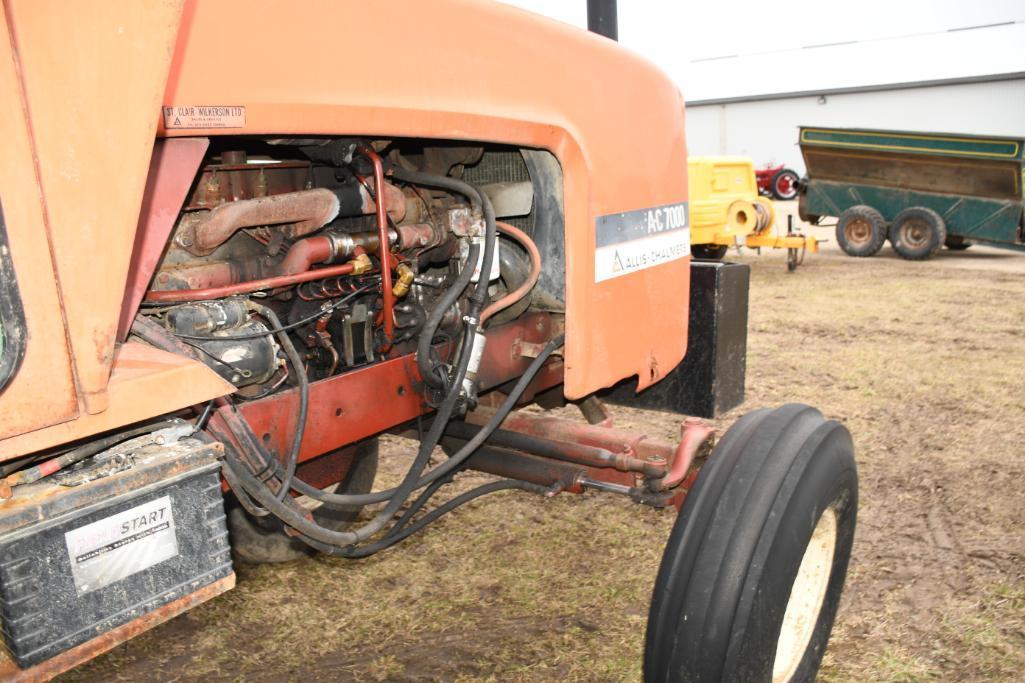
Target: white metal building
[968, 80]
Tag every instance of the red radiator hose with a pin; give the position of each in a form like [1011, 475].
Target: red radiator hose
[383, 254]
[535, 271]
[304, 254]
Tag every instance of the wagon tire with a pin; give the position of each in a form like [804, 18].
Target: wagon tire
[262, 540]
[861, 231]
[755, 565]
[708, 252]
[917, 233]
[784, 184]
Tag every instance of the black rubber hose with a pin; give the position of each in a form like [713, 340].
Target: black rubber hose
[514, 266]
[290, 516]
[428, 370]
[240, 493]
[479, 298]
[417, 504]
[457, 458]
[255, 488]
[394, 538]
[480, 293]
[309, 529]
[443, 181]
[304, 395]
[478, 202]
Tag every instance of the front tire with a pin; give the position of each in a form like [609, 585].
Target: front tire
[751, 578]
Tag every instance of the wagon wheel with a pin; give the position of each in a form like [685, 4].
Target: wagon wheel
[262, 540]
[792, 261]
[917, 233]
[751, 578]
[861, 231]
[784, 184]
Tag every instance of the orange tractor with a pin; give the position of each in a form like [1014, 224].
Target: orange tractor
[241, 241]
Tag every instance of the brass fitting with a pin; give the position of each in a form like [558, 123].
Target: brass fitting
[361, 264]
[405, 280]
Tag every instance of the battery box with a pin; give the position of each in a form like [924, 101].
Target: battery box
[77, 562]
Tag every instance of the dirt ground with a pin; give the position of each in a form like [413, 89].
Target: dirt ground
[922, 361]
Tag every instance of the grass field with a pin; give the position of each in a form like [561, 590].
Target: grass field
[925, 364]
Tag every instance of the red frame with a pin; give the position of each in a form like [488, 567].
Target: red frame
[367, 401]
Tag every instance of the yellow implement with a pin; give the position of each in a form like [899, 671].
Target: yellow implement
[726, 210]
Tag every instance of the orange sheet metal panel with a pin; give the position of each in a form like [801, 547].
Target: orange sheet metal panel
[145, 382]
[43, 391]
[93, 74]
[475, 71]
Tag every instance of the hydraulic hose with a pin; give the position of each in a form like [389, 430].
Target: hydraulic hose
[448, 299]
[480, 293]
[310, 529]
[457, 458]
[304, 395]
[402, 532]
[479, 203]
[479, 298]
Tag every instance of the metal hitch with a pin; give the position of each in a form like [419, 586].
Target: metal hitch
[574, 455]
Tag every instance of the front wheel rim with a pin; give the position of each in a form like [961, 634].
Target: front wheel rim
[807, 595]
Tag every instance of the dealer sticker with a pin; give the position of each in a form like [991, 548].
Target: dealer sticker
[635, 240]
[204, 117]
[118, 546]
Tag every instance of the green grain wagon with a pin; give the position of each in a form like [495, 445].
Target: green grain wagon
[920, 190]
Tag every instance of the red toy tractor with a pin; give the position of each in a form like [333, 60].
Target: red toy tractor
[778, 182]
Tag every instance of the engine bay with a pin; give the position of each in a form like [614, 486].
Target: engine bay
[301, 237]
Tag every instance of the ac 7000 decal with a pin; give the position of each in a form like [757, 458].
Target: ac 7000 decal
[635, 240]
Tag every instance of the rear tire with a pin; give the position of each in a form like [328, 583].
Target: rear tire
[708, 252]
[752, 575]
[262, 540]
[917, 233]
[784, 184]
[861, 231]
